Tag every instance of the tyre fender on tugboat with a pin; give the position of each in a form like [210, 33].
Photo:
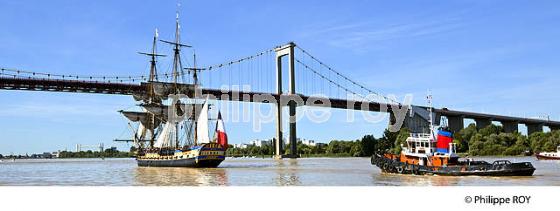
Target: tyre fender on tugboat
[399, 169]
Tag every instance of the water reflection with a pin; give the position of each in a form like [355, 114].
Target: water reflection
[250, 172]
[287, 172]
[181, 176]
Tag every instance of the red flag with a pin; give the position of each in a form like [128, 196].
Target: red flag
[221, 131]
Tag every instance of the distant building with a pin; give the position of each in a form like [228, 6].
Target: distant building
[79, 147]
[310, 143]
[56, 154]
[240, 146]
[47, 155]
[39, 156]
[261, 143]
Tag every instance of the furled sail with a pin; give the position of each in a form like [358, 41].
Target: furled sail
[159, 110]
[164, 89]
[141, 116]
[162, 111]
[136, 116]
[202, 125]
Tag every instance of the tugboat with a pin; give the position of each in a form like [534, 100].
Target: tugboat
[549, 155]
[427, 154]
[172, 128]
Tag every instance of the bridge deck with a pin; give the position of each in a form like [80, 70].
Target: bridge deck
[77, 86]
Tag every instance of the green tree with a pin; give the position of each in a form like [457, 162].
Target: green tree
[463, 137]
[356, 149]
[368, 145]
[400, 140]
[491, 129]
[386, 142]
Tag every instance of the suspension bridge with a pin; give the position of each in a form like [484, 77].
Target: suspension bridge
[261, 78]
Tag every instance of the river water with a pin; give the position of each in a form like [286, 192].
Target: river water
[250, 172]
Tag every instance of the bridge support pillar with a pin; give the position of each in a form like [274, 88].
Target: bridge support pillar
[286, 50]
[455, 123]
[554, 127]
[533, 128]
[510, 126]
[482, 123]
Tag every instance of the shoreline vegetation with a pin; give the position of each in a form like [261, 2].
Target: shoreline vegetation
[488, 141]
[493, 141]
[108, 153]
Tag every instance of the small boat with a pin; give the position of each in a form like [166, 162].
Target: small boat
[549, 155]
[428, 154]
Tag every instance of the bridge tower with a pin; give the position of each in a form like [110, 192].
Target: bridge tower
[286, 51]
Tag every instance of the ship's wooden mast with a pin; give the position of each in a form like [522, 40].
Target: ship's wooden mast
[177, 66]
[151, 92]
[195, 71]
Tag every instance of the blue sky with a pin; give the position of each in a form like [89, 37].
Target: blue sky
[484, 56]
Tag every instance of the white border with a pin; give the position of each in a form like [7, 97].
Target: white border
[269, 198]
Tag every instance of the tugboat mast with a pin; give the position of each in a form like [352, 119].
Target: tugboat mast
[430, 115]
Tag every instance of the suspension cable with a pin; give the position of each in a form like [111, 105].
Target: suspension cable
[345, 77]
[333, 82]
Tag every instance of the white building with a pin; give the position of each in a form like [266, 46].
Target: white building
[307, 142]
[261, 143]
[240, 146]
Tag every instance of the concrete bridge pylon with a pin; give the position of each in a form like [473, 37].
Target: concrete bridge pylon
[286, 51]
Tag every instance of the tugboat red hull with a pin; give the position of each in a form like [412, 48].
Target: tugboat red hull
[473, 168]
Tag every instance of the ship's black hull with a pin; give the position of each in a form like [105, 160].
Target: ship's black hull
[477, 168]
[187, 162]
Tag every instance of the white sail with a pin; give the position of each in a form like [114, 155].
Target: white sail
[164, 138]
[202, 125]
[141, 132]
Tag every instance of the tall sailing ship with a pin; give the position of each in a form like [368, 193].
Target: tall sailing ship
[173, 126]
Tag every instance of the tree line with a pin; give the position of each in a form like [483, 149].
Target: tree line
[489, 141]
[336, 148]
[492, 140]
[107, 153]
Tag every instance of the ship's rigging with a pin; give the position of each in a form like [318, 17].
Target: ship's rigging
[171, 117]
